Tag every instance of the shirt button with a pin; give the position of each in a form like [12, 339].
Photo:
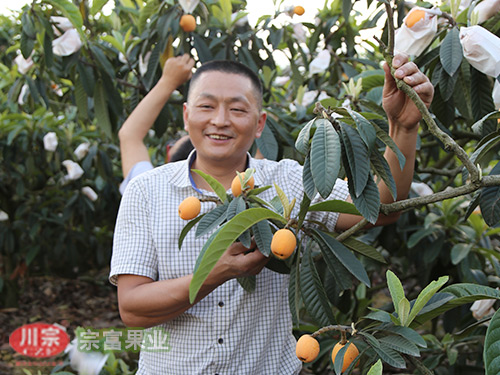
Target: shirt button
[221, 304]
[221, 341]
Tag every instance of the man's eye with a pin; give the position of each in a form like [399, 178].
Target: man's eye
[237, 110]
[205, 106]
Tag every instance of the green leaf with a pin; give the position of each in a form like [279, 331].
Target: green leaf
[339, 272]
[214, 184]
[146, 12]
[236, 206]
[187, 228]
[379, 315]
[267, 144]
[263, 236]
[335, 205]
[204, 249]
[368, 203]
[383, 170]
[325, 157]
[97, 5]
[345, 257]
[459, 251]
[307, 179]
[101, 110]
[425, 295]
[257, 191]
[103, 61]
[376, 369]
[357, 155]
[248, 283]
[224, 238]
[401, 344]
[302, 142]
[71, 12]
[408, 333]
[491, 351]
[284, 201]
[294, 292]
[81, 100]
[114, 42]
[450, 53]
[312, 291]
[388, 141]
[390, 356]
[463, 293]
[212, 220]
[403, 311]
[363, 249]
[395, 288]
[365, 129]
[482, 101]
[489, 202]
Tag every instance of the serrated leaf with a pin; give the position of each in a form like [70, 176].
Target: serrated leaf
[204, 250]
[248, 283]
[103, 61]
[214, 184]
[211, 220]
[258, 190]
[187, 228]
[325, 157]
[114, 42]
[425, 295]
[463, 293]
[401, 344]
[307, 179]
[97, 5]
[489, 202]
[379, 315]
[368, 203]
[383, 170]
[365, 129]
[267, 144]
[407, 333]
[101, 109]
[347, 258]
[357, 155]
[450, 53]
[389, 142]
[482, 101]
[263, 236]
[395, 289]
[302, 142]
[236, 206]
[390, 356]
[339, 360]
[491, 353]
[226, 235]
[313, 292]
[81, 100]
[364, 249]
[339, 272]
[335, 205]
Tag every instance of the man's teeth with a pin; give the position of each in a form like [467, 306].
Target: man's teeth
[216, 136]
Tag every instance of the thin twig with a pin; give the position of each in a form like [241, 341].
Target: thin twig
[335, 327]
[352, 230]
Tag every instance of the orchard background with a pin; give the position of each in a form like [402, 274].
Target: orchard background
[67, 85]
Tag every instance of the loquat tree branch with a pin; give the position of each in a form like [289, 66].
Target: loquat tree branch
[448, 142]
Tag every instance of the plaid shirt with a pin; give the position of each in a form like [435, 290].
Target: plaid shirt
[230, 331]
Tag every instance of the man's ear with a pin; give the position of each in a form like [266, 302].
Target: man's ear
[260, 124]
[185, 116]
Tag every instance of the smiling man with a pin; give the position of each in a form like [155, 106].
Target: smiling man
[226, 330]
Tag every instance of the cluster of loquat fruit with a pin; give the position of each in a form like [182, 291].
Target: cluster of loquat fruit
[307, 350]
[283, 242]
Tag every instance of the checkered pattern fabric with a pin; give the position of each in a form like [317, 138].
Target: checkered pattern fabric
[230, 331]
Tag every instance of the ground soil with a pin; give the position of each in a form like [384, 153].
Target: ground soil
[88, 301]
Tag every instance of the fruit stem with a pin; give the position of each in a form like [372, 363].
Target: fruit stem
[336, 327]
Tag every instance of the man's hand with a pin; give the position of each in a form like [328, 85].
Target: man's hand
[176, 71]
[237, 261]
[400, 109]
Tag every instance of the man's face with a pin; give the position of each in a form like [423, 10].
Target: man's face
[223, 118]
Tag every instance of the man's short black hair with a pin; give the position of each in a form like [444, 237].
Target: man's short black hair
[232, 67]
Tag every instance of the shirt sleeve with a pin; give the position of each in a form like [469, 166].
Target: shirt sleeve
[134, 251]
[137, 169]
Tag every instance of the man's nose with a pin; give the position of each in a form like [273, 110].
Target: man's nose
[221, 116]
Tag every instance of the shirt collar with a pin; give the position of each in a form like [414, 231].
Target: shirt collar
[189, 176]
